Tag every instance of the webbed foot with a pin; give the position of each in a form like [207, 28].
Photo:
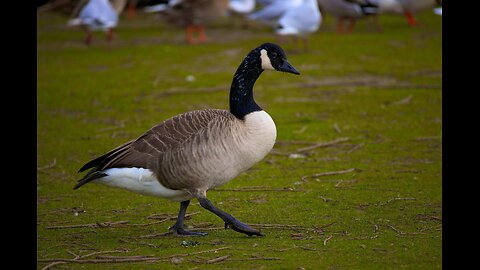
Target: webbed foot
[238, 226]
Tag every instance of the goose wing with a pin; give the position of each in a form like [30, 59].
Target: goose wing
[148, 148]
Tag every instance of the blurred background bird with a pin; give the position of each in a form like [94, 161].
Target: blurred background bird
[271, 11]
[300, 21]
[241, 6]
[408, 8]
[118, 5]
[350, 10]
[96, 15]
[193, 15]
[239, 9]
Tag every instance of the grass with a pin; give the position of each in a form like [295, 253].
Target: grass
[381, 90]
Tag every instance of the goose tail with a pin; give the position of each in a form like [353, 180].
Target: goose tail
[89, 177]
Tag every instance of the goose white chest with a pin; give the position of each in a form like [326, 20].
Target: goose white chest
[261, 134]
[256, 141]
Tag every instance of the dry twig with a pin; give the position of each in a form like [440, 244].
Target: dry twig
[257, 258]
[428, 138]
[403, 233]
[301, 130]
[52, 264]
[337, 129]
[123, 259]
[107, 224]
[398, 199]
[327, 239]
[331, 173]
[404, 101]
[283, 142]
[323, 144]
[338, 184]
[429, 217]
[219, 259]
[163, 220]
[355, 148]
[257, 189]
[49, 166]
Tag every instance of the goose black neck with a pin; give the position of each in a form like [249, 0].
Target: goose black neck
[241, 91]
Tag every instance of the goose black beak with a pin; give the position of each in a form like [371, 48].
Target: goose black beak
[286, 67]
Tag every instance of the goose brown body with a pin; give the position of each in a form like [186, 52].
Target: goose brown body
[196, 150]
[193, 12]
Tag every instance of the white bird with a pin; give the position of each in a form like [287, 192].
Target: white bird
[239, 10]
[95, 15]
[183, 157]
[349, 9]
[406, 7]
[273, 10]
[242, 6]
[300, 21]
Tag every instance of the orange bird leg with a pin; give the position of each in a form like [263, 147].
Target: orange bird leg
[339, 24]
[202, 37]
[189, 34]
[110, 35]
[352, 25]
[132, 6]
[88, 38]
[410, 19]
[88, 35]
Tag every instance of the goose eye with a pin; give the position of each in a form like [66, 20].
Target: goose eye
[273, 55]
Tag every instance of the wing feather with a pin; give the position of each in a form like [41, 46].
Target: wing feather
[166, 136]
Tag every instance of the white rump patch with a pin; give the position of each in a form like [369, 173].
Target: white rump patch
[266, 64]
[143, 181]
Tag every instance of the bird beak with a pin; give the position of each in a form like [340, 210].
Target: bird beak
[286, 67]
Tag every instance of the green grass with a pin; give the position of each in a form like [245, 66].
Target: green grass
[381, 90]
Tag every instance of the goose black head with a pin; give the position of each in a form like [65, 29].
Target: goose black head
[273, 57]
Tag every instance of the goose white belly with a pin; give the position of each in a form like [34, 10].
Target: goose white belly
[140, 180]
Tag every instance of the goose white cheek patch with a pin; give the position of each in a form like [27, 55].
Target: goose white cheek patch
[266, 64]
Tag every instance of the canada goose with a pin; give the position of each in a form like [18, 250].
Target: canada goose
[183, 157]
[95, 15]
[351, 10]
[300, 21]
[192, 14]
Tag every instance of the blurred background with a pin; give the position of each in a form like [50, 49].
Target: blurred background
[356, 171]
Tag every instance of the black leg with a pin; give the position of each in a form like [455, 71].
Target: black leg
[178, 226]
[230, 221]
